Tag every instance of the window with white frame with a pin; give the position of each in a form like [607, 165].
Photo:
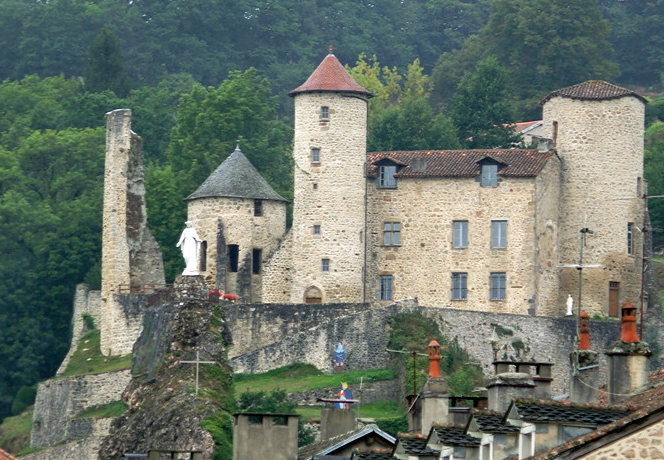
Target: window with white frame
[316, 229]
[526, 441]
[386, 177]
[459, 286]
[392, 234]
[460, 234]
[325, 112]
[386, 287]
[498, 234]
[325, 265]
[498, 284]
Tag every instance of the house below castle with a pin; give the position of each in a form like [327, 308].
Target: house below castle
[500, 230]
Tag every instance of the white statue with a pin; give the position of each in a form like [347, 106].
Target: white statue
[190, 242]
[570, 305]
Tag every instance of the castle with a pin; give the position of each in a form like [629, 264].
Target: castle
[498, 230]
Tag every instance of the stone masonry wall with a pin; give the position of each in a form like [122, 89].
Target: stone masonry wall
[130, 254]
[85, 302]
[84, 449]
[269, 336]
[329, 193]
[601, 147]
[60, 400]
[422, 265]
[242, 228]
[277, 272]
[641, 445]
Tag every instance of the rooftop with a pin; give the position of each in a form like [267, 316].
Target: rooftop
[459, 163]
[545, 411]
[4, 455]
[330, 75]
[236, 177]
[593, 90]
[416, 445]
[454, 436]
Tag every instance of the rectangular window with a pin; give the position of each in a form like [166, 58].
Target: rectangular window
[386, 286]
[233, 257]
[325, 265]
[316, 229]
[459, 286]
[499, 234]
[325, 112]
[460, 234]
[315, 155]
[386, 177]
[258, 208]
[498, 283]
[392, 234]
[630, 238]
[256, 261]
[489, 175]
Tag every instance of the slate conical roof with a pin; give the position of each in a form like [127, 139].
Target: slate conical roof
[330, 76]
[593, 90]
[236, 177]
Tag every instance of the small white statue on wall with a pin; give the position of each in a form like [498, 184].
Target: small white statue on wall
[570, 305]
[190, 243]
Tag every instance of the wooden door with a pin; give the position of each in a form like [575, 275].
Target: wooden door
[614, 295]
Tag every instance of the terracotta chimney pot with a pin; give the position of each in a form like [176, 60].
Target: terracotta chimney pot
[584, 332]
[628, 323]
[434, 359]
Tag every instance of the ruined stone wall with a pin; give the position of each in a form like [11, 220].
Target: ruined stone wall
[60, 400]
[601, 147]
[277, 272]
[85, 302]
[331, 194]
[269, 336]
[84, 449]
[547, 234]
[642, 445]
[423, 264]
[130, 254]
[235, 219]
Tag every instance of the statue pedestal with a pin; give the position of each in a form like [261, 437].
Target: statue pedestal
[190, 287]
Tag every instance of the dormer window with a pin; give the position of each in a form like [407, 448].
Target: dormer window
[489, 175]
[386, 177]
[325, 112]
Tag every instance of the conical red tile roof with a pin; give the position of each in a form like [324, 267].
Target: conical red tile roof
[330, 76]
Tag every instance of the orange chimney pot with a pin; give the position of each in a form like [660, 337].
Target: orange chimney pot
[434, 359]
[584, 332]
[628, 323]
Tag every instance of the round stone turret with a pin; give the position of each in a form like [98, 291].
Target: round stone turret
[240, 219]
[330, 199]
[597, 130]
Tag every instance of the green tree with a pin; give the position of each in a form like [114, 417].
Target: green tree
[654, 174]
[482, 107]
[106, 68]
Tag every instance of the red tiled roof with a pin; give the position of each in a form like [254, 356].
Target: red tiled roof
[6, 455]
[330, 76]
[460, 163]
[593, 90]
[519, 127]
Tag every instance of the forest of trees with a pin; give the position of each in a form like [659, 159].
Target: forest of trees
[199, 74]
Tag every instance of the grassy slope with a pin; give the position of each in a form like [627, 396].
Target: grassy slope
[304, 377]
[15, 432]
[88, 358]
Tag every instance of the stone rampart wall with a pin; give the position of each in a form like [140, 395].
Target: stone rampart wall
[60, 400]
[270, 336]
[277, 274]
[84, 449]
[85, 302]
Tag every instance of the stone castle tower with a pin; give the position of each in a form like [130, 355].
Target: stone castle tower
[597, 130]
[240, 219]
[329, 212]
[131, 257]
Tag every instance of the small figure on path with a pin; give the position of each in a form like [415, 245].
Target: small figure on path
[189, 243]
[570, 305]
[339, 358]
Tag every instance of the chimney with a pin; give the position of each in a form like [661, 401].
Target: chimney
[431, 405]
[261, 436]
[509, 384]
[584, 367]
[628, 359]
